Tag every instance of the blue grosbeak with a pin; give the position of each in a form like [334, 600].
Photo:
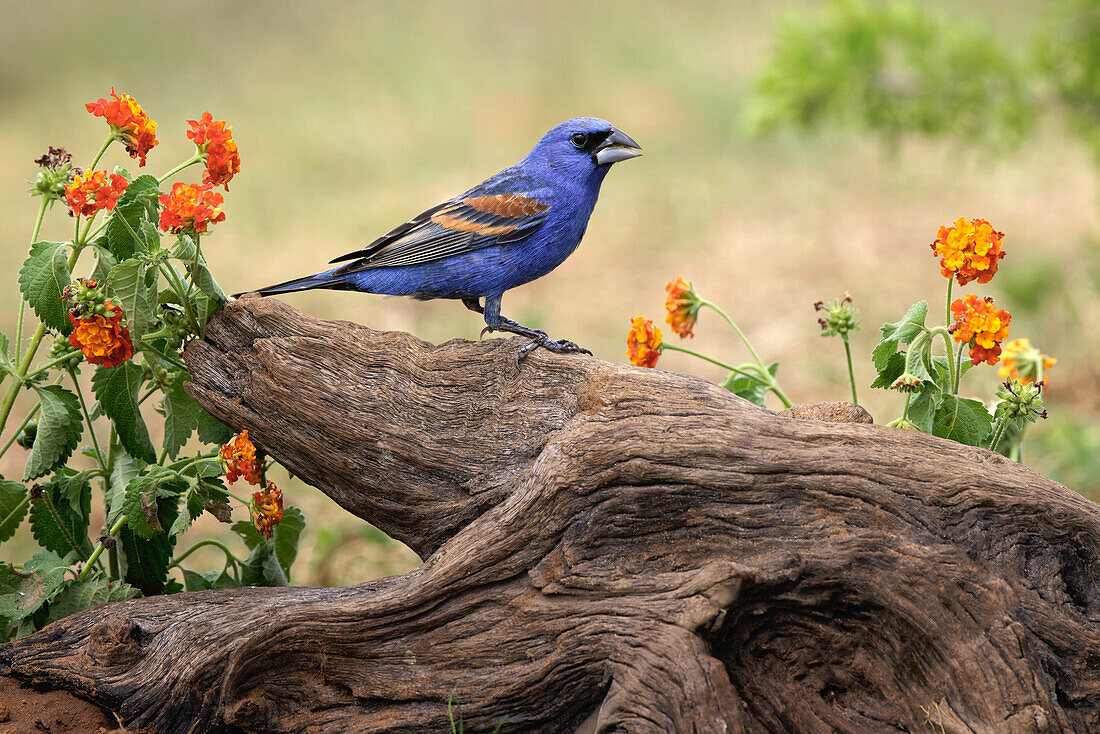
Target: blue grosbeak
[508, 230]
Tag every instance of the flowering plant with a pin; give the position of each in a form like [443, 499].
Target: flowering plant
[975, 332]
[146, 290]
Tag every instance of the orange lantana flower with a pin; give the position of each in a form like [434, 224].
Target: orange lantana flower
[89, 192]
[102, 338]
[238, 458]
[643, 343]
[129, 122]
[1024, 363]
[191, 207]
[267, 509]
[217, 144]
[969, 250]
[683, 305]
[981, 325]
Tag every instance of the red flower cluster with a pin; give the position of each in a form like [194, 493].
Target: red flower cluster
[102, 338]
[191, 207]
[238, 458]
[267, 509]
[981, 325]
[89, 192]
[217, 144]
[129, 122]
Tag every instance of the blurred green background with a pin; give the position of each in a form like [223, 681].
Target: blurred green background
[351, 117]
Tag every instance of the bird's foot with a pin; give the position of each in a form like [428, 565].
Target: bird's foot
[557, 346]
[526, 331]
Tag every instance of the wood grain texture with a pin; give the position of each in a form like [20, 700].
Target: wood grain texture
[608, 549]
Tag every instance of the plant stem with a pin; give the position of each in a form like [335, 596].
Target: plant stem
[851, 372]
[99, 549]
[191, 161]
[100, 458]
[1002, 423]
[739, 370]
[102, 149]
[947, 317]
[173, 280]
[52, 363]
[228, 553]
[19, 428]
[958, 369]
[769, 379]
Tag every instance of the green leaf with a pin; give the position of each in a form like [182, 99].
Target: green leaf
[116, 388]
[210, 580]
[59, 428]
[60, 516]
[181, 415]
[749, 388]
[147, 560]
[964, 420]
[150, 234]
[204, 279]
[13, 508]
[890, 369]
[185, 248]
[212, 430]
[126, 283]
[283, 545]
[143, 190]
[5, 358]
[76, 596]
[44, 275]
[125, 468]
[911, 324]
[123, 232]
[104, 261]
[922, 406]
[22, 593]
[142, 506]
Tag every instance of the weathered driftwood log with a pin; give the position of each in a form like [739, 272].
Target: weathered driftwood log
[606, 549]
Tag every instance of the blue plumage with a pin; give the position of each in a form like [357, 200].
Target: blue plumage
[512, 228]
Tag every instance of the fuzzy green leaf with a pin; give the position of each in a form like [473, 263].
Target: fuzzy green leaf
[143, 190]
[124, 231]
[44, 275]
[216, 579]
[964, 420]
[911, 324]
[76, 596]
[59, 428]
[12, 507]
[60, 516]
[889, 370]
[126, 283]
[204, 279]
[142, 494]
[104, 261]
[126, 467]
[182, 415]
[922, 406]
[147, 559]
[283, 544]
[23, 593]
[116, 388]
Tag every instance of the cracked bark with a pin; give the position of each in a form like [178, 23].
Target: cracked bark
[606, 549]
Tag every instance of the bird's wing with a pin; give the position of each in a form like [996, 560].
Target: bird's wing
[452, 228]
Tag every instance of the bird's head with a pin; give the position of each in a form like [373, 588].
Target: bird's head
[585, 145]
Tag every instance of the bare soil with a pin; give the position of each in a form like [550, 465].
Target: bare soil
[24, 710]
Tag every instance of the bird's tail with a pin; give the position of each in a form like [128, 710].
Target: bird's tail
[309, 282]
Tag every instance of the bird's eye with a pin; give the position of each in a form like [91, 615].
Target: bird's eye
[579, 140]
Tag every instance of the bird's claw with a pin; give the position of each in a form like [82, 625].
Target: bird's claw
[557, 346]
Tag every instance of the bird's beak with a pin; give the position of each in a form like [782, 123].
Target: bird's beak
[618, 146]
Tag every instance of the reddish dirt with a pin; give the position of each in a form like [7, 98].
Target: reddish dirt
[27, 711]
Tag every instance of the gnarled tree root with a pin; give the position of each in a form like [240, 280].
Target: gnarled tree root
[607, 549]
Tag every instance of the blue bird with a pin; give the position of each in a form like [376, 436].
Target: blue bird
[510, 229]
